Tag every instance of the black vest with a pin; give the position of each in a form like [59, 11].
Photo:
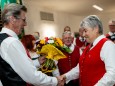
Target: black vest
[8, 76]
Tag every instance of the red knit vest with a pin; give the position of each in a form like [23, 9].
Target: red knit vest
[92, 68]
[80, 43]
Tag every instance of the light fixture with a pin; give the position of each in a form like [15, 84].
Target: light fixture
[98, 8]
[48, 30]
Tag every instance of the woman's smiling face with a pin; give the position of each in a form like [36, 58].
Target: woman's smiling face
[90, 34]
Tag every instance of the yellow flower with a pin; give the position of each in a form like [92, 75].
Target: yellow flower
[50, 47]
[42, 41]
[38, 45]
[59, 41]
[52, 52]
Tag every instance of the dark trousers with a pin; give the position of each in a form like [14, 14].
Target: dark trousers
[73, 83]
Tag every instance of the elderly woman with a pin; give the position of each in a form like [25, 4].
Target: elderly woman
[96, 64]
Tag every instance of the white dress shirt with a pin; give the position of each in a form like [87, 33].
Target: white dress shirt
[1, 84]
[107, 55]
[72, 47]
[13, 52]
[110, 33]
[35, 56]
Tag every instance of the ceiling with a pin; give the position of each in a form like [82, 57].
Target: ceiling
[77, 7]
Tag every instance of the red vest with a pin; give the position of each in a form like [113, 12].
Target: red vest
[107, 35]
[71, 61]
[79, 43]
[92, 68]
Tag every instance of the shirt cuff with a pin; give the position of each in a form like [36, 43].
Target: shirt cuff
[36, 63]
[55, 81]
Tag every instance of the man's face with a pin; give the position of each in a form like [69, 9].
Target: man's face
[67, 39]
[67, 29]
[20, 23]
[112, 28]
[90, 34]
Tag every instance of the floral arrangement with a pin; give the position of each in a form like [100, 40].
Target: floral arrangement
[52, 48]
[57, 42]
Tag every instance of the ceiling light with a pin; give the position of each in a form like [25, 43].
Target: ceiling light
[98, 8]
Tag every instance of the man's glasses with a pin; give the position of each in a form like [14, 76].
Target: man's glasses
[24, 20]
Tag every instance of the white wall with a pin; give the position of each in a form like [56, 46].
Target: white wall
[61, 20]
[105, 19]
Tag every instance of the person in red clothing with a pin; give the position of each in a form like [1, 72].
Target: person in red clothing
[111, 34]
[97, 63]
[80, 41]
[72, 59]
[29, 42]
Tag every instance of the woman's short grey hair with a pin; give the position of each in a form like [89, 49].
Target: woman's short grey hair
[12, 9]
[92, 21]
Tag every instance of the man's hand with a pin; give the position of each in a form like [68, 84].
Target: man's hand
[61, 80]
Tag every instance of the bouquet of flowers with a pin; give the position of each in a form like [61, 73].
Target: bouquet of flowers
[52, 48]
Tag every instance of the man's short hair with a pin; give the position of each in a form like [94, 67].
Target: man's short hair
[112, 22]
[12, 9]
[68, 32]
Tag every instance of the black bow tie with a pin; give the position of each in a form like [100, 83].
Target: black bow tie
[82, 40]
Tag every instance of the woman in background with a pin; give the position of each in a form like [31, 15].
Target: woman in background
[29, 43]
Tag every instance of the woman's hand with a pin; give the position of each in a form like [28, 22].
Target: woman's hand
[42, 59]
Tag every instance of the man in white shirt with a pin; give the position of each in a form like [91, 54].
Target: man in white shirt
[97, 63]
[19, 67]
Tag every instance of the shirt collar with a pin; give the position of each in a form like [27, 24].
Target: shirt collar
[110, 33]
[71, 47]
[9, 32]
[80, 38]
[98, 39]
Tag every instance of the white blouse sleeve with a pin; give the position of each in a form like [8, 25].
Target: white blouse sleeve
[108, 57]
[72, 74]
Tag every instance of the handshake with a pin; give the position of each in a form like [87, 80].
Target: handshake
[61, 80]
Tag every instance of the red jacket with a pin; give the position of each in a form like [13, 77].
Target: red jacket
[92, 68]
